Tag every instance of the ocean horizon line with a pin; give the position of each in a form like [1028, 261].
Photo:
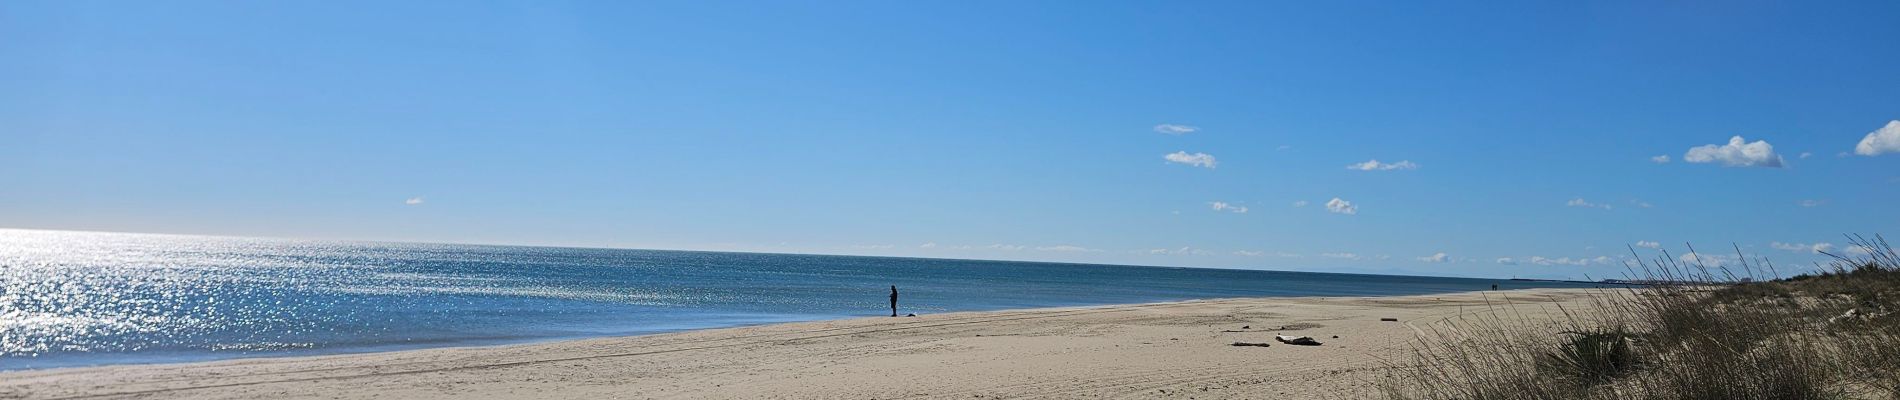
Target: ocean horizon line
[591, 247]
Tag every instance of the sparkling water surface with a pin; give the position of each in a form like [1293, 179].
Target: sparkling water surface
[83, 298]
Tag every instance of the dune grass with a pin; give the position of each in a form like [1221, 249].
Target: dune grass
[1699, 332]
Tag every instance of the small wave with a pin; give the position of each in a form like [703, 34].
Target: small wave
[259, 346]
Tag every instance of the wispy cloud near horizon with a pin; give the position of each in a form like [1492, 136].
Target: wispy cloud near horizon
[1224, 206]
[1203, 160]
[1067, 249]
[1813, 248]
[1184, 250]
[1580, 202]
[1375, 165]
[1173, 129]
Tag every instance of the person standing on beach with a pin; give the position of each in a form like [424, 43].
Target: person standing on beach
[893, 300]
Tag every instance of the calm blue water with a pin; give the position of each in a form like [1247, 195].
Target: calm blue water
[73, 298]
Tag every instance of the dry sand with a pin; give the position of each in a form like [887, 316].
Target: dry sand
[1161, 350]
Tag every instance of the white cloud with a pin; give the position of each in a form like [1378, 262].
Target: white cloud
[1184, 250]
[1067, 249]
[1858, 250]
[1540, 260]
[414, 201]
[1559, 261]
[1288, 255]
[1301, 203]
[1375, 165]
[1248, 253]
[1815, 248]
[1196, 159]
[1805, 155]
[872, 246]
[1172, 129]
[1709, 260]
[1648, 244]
[1338, 206]
[930, 245]
[1662, 159]
[1880, 141]
[1549, 261]
[1223, 206]
[1640, 203]
[1811, 203]
[1283, 148]
[1348, 256]
[1580, 202]
[1009, 247]
[1436, 258]
[1737, 153]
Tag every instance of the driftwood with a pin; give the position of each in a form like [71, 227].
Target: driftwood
[1389, 319]
[1296, 340]
[1252, 344]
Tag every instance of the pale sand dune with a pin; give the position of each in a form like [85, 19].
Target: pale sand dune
[1162, 350]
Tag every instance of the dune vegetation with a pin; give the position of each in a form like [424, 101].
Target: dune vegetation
[1695, 331]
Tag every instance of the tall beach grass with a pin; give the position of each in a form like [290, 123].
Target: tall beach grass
[1695, 331]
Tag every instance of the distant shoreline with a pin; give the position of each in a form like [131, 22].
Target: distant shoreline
[1113, 349]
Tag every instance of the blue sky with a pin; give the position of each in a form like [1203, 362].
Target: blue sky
[996, 130]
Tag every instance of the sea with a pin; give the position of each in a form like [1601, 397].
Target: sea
[86, 298]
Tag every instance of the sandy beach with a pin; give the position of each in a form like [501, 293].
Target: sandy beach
[1160, 350]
